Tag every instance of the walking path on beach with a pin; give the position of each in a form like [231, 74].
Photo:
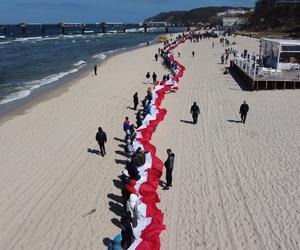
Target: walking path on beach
[235, 186]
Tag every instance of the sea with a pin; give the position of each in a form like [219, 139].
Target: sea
[29, 64]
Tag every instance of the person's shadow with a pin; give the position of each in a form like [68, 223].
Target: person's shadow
[106, 241]
[118, 184]
[116, 208]
[234, 121]
[121, 153]
[118, 139]
[162, 183]
[94, 151]
[130, 108]
[116, 198]
[188, 122]
[121, 162]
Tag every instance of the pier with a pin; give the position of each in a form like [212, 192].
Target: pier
[40, 29]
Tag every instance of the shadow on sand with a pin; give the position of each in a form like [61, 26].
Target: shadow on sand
[93, 151]
[234, 121]
[131, 108]
[118, 139]
[116, 208]
[118, 152]
[116, 198]
[188, 122]
[162, 183]
[118, 184]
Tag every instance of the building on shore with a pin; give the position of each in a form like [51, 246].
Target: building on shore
[234, 17]
[280, 54]
[231, 21]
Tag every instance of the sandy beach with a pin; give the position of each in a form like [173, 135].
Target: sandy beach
[235, 186]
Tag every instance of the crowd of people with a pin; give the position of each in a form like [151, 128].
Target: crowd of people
[137, 157]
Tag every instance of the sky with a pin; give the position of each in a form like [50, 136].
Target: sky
[91, 11]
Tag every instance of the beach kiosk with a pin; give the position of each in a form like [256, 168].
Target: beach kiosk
[280, 54]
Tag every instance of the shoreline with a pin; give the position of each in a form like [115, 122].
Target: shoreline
[49, 91]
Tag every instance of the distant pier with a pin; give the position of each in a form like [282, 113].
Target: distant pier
[35, 29]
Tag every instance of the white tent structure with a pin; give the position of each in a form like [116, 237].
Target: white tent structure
[280, 54]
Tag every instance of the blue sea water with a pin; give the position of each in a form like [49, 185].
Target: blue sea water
[29, 63]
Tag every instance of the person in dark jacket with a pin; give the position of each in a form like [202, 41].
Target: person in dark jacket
[126, 232]
[154, 77]
[139, 119]
[193, 54]
[139, 157]
[95, 69]
[101, 138]
[156, 57]
[195, 111]
[133, 171]
[243, 111]
[169, 165]
[135, 100]
[148, 77]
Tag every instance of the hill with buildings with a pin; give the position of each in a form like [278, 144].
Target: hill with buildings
[194, 16]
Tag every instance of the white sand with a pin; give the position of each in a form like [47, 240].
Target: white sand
[235, 186]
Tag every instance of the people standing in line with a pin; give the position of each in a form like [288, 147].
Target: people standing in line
[156, 57]
[193, 54]
[101, 138]
[129, 149]
[243, 111]
[126, 232]
[126, 126]
[226, 57]
[195, 111]
[95, 69]
[139, 119]
[135, 101]
[169, 165]
[148, 108]
[154, 77]
[222, 59]
[148, 77]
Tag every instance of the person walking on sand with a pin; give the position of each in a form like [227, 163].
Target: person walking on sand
[101, 138]
[213, 44]
[156, 57]
[243, 111]
[154, 77]
[95, 69]
[178, 53]
[193, 54]
[169, 165]
[135, 100]
[148, 77]
[195, 111]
